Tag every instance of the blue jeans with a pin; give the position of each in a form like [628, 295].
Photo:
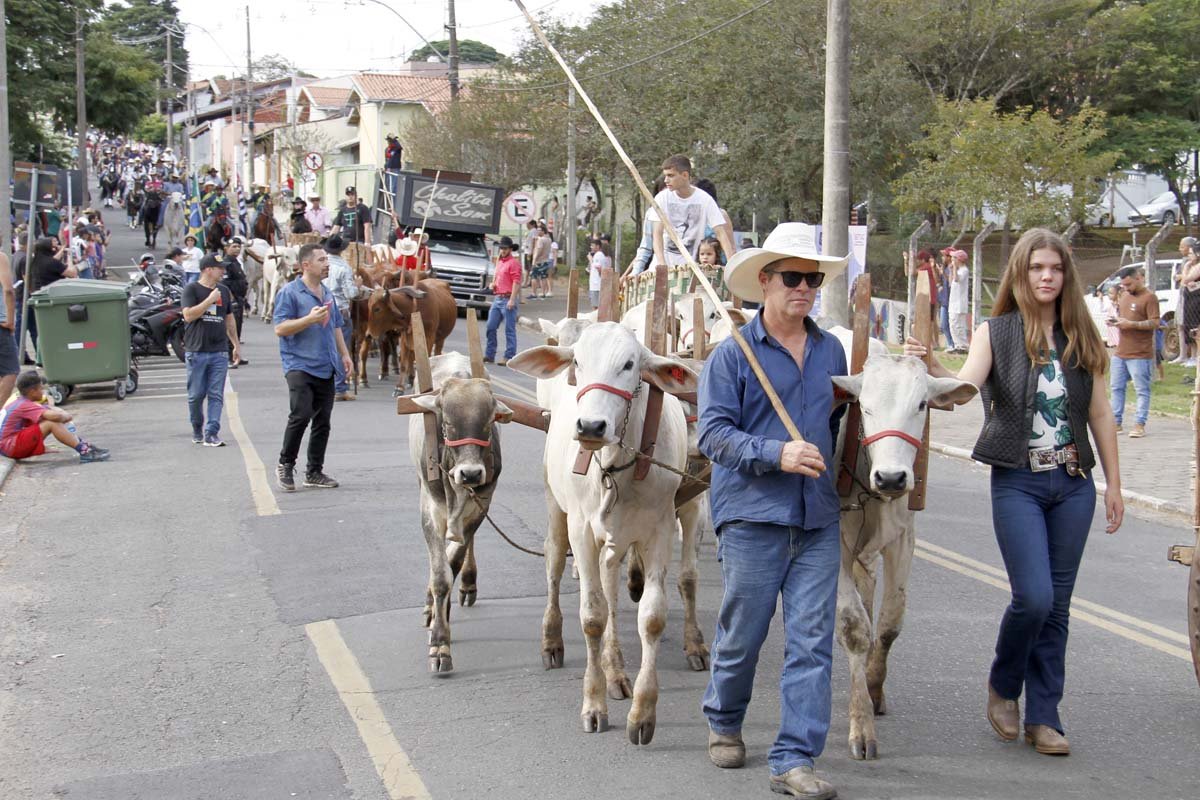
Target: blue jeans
[206, 379]
[500, 312]
[86, 273]
[190, 277]
[759, 562]
[944, 319]
[340, 378]
[1139, 369]
[1041, 520]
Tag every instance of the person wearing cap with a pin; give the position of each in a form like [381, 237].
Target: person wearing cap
[506, 297]
[927, 263]
[775, 506]
[175, 259]
[209, 334]
[346, 287]
[959, 306]
[353, 220]
[317, 215]
[218, 232]
[191, 264]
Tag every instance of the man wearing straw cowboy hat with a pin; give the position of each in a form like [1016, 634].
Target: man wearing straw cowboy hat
[775, 507]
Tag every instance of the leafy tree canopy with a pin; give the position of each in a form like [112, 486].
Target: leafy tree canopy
[469, 50]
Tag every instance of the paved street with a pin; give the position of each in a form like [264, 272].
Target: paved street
[175, 628]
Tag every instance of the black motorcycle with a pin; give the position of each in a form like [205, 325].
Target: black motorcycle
[155, 319]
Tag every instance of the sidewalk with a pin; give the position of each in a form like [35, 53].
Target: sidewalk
[1156, 472]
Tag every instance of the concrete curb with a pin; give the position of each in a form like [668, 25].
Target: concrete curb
[1132, 498]
[6, 466]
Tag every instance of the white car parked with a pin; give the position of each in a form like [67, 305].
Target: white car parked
[1165, 289]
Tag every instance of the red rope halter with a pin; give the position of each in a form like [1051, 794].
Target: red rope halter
[461, 442]
[604, 387]
[914, 441]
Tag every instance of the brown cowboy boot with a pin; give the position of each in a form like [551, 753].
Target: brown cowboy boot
[1003, 714]
[726, 751]
[802, 782]
[1047, 741]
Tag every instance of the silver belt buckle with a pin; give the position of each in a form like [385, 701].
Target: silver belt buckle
[1043, 460]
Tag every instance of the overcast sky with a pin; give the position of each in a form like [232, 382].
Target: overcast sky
[334, 37]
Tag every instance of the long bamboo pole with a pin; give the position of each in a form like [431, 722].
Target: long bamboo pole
[772, 395]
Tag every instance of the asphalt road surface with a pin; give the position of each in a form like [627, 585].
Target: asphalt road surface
[171, 626]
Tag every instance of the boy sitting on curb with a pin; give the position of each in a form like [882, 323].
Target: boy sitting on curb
[25, 424]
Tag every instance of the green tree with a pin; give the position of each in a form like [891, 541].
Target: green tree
[119, 82]
[1016, 164]
[469, 51]
[148, 22]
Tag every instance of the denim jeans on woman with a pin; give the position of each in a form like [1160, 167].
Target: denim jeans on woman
[206, 379]
[1139, 370]
[759, 562]
[1041, 520]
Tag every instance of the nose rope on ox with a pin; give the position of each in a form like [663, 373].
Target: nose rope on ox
[607, 480]
[875, 437]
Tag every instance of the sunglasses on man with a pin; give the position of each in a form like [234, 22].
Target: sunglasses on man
[791, 278]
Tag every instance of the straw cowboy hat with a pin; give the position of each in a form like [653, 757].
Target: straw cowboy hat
[788, 240]
[407, 247]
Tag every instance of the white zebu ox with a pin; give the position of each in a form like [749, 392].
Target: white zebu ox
[606, 513]
[893, 393]
[454, 505]
[275, 265]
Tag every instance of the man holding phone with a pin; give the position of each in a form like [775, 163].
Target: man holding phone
[309, 327]
[209, 335]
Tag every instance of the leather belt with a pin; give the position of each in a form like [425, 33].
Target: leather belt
[1045, 459]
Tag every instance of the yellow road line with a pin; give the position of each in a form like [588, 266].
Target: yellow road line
[395, 769]
[1119, 616]
[520, 391]
[256, 471]
[1084, 616]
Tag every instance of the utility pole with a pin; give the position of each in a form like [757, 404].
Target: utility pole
[569, 223]
[249, 108]
[80, 108]
[5, 152]
[452, 27]
[835, 202]
[170, 98]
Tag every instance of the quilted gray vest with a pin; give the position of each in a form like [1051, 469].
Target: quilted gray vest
[1008, 397]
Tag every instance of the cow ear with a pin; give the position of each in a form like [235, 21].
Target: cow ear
[429, 402]
[416, 294]
[542, 362]
[503, 413]
[846, 388]
[669, 374]
[947, 392]
[549, 328]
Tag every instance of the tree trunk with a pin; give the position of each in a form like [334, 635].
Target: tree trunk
[1005, 244]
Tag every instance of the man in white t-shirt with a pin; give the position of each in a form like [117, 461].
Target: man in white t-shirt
[597, 261]
[959, 300]
[690, 211]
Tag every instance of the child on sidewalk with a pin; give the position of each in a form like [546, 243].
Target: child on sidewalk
[25, 424]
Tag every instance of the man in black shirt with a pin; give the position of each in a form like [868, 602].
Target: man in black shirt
[235, 280]
[353, 219]
[208, 334]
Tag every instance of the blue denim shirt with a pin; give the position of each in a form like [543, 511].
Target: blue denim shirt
[742, 436]
[314, 349]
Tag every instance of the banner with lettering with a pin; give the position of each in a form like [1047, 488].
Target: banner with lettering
[455, 206]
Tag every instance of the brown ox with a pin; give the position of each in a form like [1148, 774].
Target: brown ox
[390, 312]
[373, 276]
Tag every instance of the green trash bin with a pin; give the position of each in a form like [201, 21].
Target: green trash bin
[83, 335]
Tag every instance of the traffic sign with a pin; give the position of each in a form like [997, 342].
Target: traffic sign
[519, 207]
[313, 161]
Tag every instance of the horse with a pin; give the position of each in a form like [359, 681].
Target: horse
[133, 206]
[175, 221]
[265, 226]
[152, 208]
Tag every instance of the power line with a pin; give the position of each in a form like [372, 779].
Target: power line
[508, 19]
[631, 64]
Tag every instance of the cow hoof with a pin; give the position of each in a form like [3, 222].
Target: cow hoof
[552, 658]
[595, 722]
[466, 597]
[864, 750]
[620, 688]
[640, 732]
[441, 664]
[697, 663]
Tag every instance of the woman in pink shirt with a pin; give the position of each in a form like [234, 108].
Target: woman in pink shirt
[506, 297]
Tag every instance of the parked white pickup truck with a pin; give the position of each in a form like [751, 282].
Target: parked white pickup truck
[1165, 289]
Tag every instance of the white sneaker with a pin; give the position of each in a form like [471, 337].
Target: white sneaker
[1190, 363]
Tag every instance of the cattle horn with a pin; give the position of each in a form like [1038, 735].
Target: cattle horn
[412, 292]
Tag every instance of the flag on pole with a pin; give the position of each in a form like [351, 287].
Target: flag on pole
[241, 200]
[195, 214]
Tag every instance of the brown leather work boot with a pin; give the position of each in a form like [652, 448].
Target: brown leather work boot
[727, 752]
[1003, 714]
[1047, 741]
[802, 782]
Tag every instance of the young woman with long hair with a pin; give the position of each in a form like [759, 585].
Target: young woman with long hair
[1040, 362]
